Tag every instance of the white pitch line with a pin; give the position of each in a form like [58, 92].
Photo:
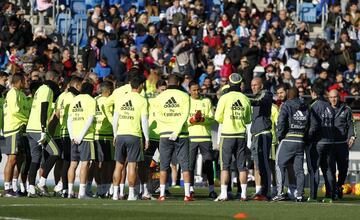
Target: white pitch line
[13, 218]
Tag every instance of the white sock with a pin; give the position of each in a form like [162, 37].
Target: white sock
[223, 193]
[15, 185]
[145, 192]
[42, 181]
[141, 189]
[88, 186]
[31, 189]
[257, 189]
[64, 191]
[22, 187]
[131, 192]
[187, 189]
[173, 184]
[122, 187]
[116, 192]
[82, 189]
[71, 188]
[162, 190]
[243, 190]
[6, 185]
[111, 189]
[192, 189]
[211, 188]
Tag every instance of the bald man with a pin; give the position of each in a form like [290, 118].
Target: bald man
[344, 137]
[261, 135]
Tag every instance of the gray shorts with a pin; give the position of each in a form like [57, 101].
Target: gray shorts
[12, 144]
[230, 147]
[85, 151]
[103, 150]
[205, 150]
[181, 149]
[128, 148]
[37, 149]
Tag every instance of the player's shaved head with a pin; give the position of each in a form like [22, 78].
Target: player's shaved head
[16, 78]
[292, 93]
[173, 80]
[52, 75]
[106, 86]
[75, 80]
[87, 88]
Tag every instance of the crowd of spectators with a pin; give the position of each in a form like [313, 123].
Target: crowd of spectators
[190, 39]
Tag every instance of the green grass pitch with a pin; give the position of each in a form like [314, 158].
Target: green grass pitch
[174, 208]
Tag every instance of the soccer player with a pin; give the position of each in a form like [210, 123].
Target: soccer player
[172, 114]
[129, 122]
[15, 119]
[319, 152]
[81, 131]
[62, 111]
[154, 135]
[344, 135]
[261, 135]
[233, 113]
[103, 141]
[39, 139]
[292, 128]
[200, 119]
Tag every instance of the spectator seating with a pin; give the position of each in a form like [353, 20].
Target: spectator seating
[78, 6]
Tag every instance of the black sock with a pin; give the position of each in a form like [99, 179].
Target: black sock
[49, 164]
[64, 175]
[32, 172]
[209, 172]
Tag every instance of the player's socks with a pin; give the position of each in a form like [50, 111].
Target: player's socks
[59, 186]
[146, 191]
[6, 185]
[22, 187]
[131, 192]
[243, 190]
[71, 188]
[82, 189]
[211, 188]
[42, 181]
[116, 191]
[99, 189]
[257, 189]
[15, 185]
[111, 189]
[173, 184]
[192, 189]
[162, 190]
[122, 187]
[223, 193]
[187, 189]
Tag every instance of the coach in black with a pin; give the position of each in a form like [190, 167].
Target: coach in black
[344, 135]
[319, 152]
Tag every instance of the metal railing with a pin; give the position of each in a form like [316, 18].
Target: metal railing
[79, 35]
[338, 27]
[324, 16]
[67, 25]
[56, 11]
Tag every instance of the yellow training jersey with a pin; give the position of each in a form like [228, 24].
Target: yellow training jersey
[274, 118]
[131, 107]
[43, 94]
[81, 108]
[201, 131]
[117, 93]
[62, 105]
[234, 113]
[15, 114]
[103, 127]
[153, 126]
[172, 111]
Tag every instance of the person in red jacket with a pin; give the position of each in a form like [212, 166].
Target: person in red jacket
[212, 40]
[227, 69]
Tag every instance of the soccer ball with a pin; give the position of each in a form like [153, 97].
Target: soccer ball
[356, 189]
[347, 188]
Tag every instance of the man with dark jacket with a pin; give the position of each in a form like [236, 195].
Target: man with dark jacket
[319, 152]
[111, 51]
[344, 135]
[345, 50]
[261, 135]
[291, 130]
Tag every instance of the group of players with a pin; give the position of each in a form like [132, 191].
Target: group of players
[115, 135]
